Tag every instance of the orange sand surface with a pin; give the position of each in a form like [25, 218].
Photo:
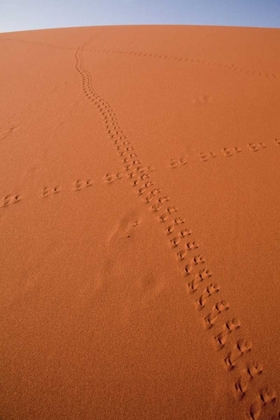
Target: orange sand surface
[139, 224]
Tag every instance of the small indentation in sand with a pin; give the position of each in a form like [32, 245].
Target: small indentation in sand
[203, 99]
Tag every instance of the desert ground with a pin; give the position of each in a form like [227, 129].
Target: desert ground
[139, 223]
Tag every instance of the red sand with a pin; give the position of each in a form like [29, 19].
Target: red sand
[140, 262]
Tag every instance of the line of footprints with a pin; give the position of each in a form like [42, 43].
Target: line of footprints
[79, 185]
[231, 66]
[236, 357]
[225, 151]
[198, 284]
[110, 177]
[202, 290]
[227, 66]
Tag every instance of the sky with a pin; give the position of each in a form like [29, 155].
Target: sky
[18, 15]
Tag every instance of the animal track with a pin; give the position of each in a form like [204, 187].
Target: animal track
[199, 278]
[266, 396]
[144, 187]
[152, 194]
[230, 326]
[180, 162]
[203, 99]
[198, 259]
[80, 184]
[49, 191]
[206, 156]
[230, 151]
[175, 222]
[189, 247]
[112, 177]
[139, 176]
[179, 237]
[254, 147]
[217, 309]
[210, 290]
[10, 199]
[241, 385]
[242, 346]
[160, 202]
[138, 173]
[169, 211]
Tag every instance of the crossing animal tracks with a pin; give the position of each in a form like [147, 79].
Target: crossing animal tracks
[217, 316]
[204, 291]
[190, 60]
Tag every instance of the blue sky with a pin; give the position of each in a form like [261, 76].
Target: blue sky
[17, 15]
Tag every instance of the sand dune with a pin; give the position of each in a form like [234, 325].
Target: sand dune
[139, 220]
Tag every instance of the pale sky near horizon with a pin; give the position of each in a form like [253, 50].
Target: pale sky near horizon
[19, 15]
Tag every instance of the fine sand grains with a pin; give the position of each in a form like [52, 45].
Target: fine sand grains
[199, 279]
[193, 188]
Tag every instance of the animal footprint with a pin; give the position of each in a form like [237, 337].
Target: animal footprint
[169, 210]
[229, 327]
[206, 156]
[193, 262]
[132, 164]
[10, 199]
[174, 162]
[242, 383]
[112, 177]
[144, 176]
[145, 187]
[142, 170]
[80, 184]
[189, 246]
[202, 275]
[217, 309]
[230, 151]
[160, 202]
[49, 191]
[177, 221]
[175, 241]
[203, 99]
[152, 194]
[242, 346]
[254, 147]
[266, 395]
[210, 290]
